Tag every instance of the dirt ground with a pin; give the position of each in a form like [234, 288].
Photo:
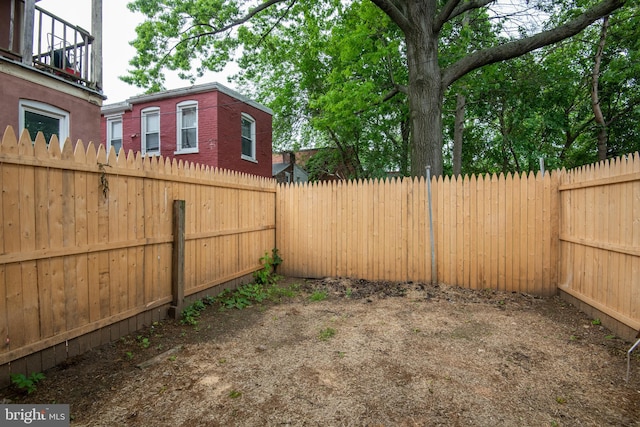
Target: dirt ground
[374, 354]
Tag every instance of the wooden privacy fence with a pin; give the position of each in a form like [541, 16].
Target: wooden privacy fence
[600, 237]
[576, 231]
[495, 232]
[87, 238]
[87, 243]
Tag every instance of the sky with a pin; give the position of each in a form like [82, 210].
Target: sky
[118, 29]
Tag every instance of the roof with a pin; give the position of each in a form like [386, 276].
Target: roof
[189, 90]
[277, 168]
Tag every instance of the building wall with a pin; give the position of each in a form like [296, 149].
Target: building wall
[219, 131]
[84, 115]
[229, 137]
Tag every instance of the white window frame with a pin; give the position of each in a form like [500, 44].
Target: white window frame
[252, 158]
[110, 121]
[179, 110]
[146, 112]
[37, 107]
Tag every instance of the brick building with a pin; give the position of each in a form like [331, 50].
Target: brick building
[208, 124]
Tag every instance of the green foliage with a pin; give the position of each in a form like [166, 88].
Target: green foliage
[318, 296]
[266, 275]
[242, 297]
[336, 75]
[253, 293]
[326, 333]
[144, 342]
[27, 383]
[234, 394]
[192, 312]
[264, 288]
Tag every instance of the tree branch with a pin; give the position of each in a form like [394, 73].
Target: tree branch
[520, 47]
[393, 12]
[453, 8]
[250, 14]
[445, 14]
[393, 92]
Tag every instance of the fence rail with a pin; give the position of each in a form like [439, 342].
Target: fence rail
[86, 240]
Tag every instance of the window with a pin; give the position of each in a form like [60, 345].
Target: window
[187, 127]
[151, 131]
[248, 138]
[37, 117]
[114, 133]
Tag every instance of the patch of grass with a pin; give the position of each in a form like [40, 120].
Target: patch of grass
[326, 333]
[561, 400]
[234, 394]
[277, 293]
[596, 322]
[318, 296]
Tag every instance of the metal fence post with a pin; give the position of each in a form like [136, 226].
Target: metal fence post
[434, 271]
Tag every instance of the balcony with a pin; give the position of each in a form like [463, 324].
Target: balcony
[47, 43]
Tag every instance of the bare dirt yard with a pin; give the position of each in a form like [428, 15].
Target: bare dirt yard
[350, 352]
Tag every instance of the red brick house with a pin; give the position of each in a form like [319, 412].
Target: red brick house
[208, 124]
[50, 73]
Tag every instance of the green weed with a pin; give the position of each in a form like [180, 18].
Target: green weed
[326, 333]
[27, 383]
[234, 394]
[318, 296]
[267, 274]
[143, 342]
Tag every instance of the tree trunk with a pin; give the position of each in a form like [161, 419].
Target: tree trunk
[405, 153]
[595, 100]
[458, 130]
[425, 89]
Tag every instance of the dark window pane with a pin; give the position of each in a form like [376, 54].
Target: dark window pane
[246, 128]
[153, 140]
[247, 147]
[188, 138]
[35, 123]
[116, 144]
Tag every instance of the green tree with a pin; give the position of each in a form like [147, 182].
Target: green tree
[177, 31]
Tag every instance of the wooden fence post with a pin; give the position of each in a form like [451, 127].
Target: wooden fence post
[177, 261]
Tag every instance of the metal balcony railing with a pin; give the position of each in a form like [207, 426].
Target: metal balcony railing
[54, 45]
[62, 48]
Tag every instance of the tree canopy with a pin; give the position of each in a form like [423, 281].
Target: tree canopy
[376, 79]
